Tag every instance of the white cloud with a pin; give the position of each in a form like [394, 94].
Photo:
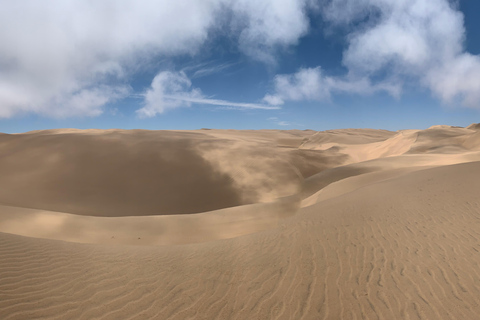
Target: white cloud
[306, 84]
[279, 122]
[207, 69]
[274, 100]
[57, 53]
[87, 102]
[225, 103]
[312, 85]
[170, 90]
[54, 52]
[393, 44]
[268, 24]
[457, 80]
[407, 35]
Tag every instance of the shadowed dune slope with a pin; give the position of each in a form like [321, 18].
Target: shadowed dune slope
[113, 173]
[435, 140]
[404, 248]
[349, 136]
[139, 172]
[441, 140]
[472, 142]
[474, 126]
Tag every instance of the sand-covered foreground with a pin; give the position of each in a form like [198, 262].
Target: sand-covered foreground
[224, 224]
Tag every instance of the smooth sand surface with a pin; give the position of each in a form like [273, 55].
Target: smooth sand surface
[225, 224]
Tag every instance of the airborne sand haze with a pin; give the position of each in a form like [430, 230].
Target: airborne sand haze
[340, 224]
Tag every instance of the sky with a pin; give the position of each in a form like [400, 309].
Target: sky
[238, 64]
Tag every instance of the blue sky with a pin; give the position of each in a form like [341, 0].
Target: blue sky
[272, 64]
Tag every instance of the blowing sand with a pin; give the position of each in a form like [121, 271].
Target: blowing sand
[225, 224]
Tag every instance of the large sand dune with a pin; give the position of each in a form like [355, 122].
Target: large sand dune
[225, 224]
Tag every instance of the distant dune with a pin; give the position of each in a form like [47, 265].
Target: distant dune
[227, 224]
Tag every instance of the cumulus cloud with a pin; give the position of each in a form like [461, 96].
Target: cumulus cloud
[391, 44]
[306, 84]
[457, 80]
[274, 100]
[56, 54]
[311, 84]
[268, 24]
[69, 58]
[170, 90]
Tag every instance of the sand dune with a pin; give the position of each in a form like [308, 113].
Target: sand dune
[225, 224]
[139, 172]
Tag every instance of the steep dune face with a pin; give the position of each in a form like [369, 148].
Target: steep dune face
[472, 142]
[138, 172]
[393, 146]
[264, 166]
[113, 174]
[343, 224]
[474, 126]
[435, 140]
[441, 140]
[347, 136]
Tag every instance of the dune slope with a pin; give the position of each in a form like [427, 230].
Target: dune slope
[367, 254]
[396, 236]
[140, 172]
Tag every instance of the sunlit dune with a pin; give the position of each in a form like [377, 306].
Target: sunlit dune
[227, 224]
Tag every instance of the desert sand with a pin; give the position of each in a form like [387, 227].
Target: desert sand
[226, 224]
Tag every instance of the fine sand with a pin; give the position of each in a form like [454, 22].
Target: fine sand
[226, 224]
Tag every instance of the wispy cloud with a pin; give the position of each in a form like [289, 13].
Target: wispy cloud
[217, 102]
[278, 121]
[212, 69]
[170, 90]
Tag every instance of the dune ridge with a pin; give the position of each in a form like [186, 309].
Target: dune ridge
[342, 224]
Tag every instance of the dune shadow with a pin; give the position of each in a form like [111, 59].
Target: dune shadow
[114, 174]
